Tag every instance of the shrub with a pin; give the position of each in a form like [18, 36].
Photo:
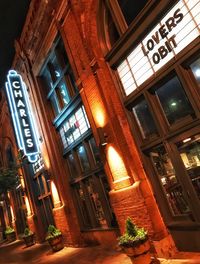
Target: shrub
[9, 230]
[133, 235]
[27, 232]
[52, 232]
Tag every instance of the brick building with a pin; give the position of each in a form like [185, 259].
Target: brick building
[114, 90]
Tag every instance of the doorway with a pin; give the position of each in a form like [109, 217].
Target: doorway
[175, 176]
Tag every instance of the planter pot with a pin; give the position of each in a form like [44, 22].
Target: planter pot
[11, 237]
[140, 254]
[29, 240]
[56, 243]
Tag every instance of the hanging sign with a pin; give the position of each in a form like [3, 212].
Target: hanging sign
[175, 31]
[21, 115]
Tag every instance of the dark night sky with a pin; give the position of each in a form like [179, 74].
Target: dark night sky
[12, 18]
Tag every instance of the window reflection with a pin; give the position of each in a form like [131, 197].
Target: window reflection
[144, 119]
[195, 67]
[95, 150]
[173, 190]
[62, 95]
[73, 166]
[55, 69]
[174, 101]
[83, 158]
[96, 202]
[189, 150]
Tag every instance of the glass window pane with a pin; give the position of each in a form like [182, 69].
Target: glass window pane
[195, 67]
[189, 150]
[42, 189]
[62, 94]
[174, 101]
[95, 150]
[55, 69]
[75, 126]
[144, 119]
[61, 55]
[83, 206]
[167, 177]
[48, 79]
[54, 103]
[83, 158]
[96, 202]
[130, 10]
[73, 166]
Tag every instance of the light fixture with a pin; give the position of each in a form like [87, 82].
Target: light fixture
[102, 136]
[187, 140]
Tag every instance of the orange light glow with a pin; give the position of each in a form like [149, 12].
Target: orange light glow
[116, 164]
[46, 161]
[55, 195]
[22, 182]
[28, 207]
[99, 117]
[12, 214]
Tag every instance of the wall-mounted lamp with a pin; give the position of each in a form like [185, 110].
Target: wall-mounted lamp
[102, 136]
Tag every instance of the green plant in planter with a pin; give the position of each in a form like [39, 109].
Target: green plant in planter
[27, 232]
[10, 234]
[9, 230]
[54, 238]
[53, 232]
[133, 235]
[135, 243]
[29, 237]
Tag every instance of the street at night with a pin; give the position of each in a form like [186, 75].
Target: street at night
[100, 131]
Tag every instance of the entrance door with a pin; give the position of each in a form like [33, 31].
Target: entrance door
[176, 164]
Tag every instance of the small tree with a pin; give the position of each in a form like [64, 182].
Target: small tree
[8, 178]
[130, 227]
[133, 235]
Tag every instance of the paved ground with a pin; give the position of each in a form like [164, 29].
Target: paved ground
[17, 253]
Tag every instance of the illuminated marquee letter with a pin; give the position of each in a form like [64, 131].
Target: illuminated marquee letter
[21, 115]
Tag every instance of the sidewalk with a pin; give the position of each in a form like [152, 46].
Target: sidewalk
[17, 253]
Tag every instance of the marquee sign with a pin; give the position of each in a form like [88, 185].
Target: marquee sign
[21, 115]
[178, 28]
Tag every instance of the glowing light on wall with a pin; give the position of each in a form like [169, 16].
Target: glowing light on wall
[55, 195]
[12, 214]
[28, 207]
[99, 117]
[22, 182]
[22, 115]
[116, 164]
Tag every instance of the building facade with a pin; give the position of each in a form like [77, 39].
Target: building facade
[114, 90]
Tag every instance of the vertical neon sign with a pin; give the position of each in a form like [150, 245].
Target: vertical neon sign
[21, 115]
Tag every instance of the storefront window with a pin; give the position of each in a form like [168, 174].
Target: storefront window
[83, 158]
[144, 119]
[174, 101]
[95, 150]
[167, 177]
[96, 203]
[189, 150]
[73, 166]
[83, 211]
